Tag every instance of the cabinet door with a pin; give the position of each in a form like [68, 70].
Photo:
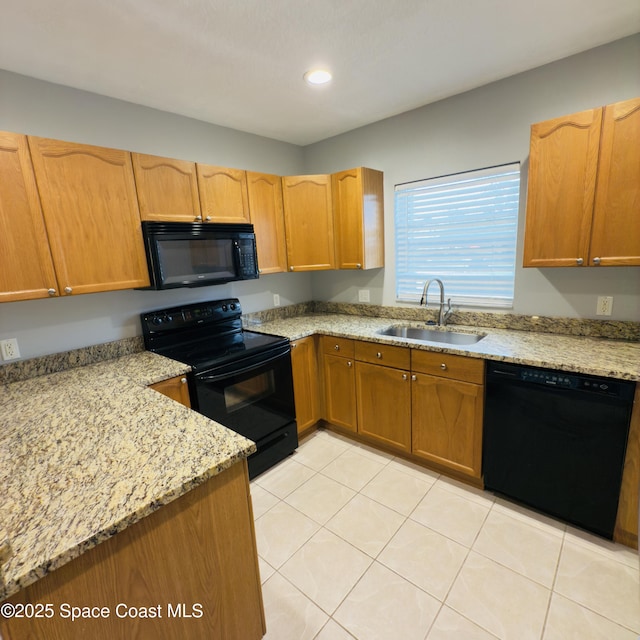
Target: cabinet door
[309, 222]
[383, 398]
[615, 236]
[340, 392]
[223, 194]
[267, 216]
[174, 388]
[358, 210]
[447, 423]
[563, 162]
[26, 267]
[167, 188]
[305, 382]
[91, 212]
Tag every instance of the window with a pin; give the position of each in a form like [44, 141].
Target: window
[462, 229]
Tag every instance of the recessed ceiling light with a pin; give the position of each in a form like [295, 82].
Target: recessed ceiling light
[317, 76]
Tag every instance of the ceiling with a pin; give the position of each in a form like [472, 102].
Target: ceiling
[239, 63]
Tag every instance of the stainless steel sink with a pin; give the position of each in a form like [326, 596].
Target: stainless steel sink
[431, 335]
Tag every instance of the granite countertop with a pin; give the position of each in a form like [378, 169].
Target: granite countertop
[86, 452]
[595, 356]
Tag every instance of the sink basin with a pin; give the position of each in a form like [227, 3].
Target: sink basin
[431, 335]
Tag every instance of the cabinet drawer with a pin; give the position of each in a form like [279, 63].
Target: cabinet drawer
[337, 346]
[448, 366]
[398, 357]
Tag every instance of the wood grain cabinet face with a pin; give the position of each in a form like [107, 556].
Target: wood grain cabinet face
[339, 382]
[223, 194]
[267, 216]
[91, 212]
[175, 388]
[584, 189]
[358, 210]
[167, 188]
[306, 387]
[308, 220]
[26, 266]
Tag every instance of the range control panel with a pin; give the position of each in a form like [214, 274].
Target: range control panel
[191, 316]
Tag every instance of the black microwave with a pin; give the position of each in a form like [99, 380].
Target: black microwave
[185, 254]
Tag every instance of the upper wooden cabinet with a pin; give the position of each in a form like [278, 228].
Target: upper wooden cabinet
[26, 267]
[584, 189]
[309, 222]
[358, 210]
[266, 210]
[223, 194]
[167, 188]
[91, 212]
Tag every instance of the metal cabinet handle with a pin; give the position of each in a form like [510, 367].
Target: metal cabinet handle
[291, 268]
[596, 261]
[208, 218]
[443, 366]
[579, 261]
[183, 381]
[336, 347]
[198, 218]
[379, 355]
[51, 292]
[414, 378]
[349, 364]
[358, 266]
[404, 376]
[68, 290]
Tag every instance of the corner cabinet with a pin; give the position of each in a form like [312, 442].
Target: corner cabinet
[167, 188]
[304, 362]
[308, 220]
[264, 193]
[358, 213]
[175, 388]
[223, 194]
[584, 189]
[91, 213]
[26, 266]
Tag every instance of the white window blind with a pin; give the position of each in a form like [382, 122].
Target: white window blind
[462, 229]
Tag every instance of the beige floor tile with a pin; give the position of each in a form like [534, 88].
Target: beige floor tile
[281, 532]
[484, 498]
[525, 548]
[261, 500]
[414, 469]
[284, 478]
[373, 453]
[569, 621]
[290, 615]
[451, 514]
[383, 606]
[266, 570]
[397, 490]
[606, 586]
[607, 548]
[325, 569]
[534, 518]
[317, 452]
[499, 600]
[353, 469]
[320, 498]
[333, 631]
[428, 559]
[450, 625]
[366, 524]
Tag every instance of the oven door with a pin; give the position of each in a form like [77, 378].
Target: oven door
[252, 396]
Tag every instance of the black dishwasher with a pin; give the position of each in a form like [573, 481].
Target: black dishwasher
[556, 441]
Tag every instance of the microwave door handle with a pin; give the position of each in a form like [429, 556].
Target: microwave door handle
[238, 255]
[237, 372]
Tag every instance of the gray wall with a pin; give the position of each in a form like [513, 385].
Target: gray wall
[481, 128]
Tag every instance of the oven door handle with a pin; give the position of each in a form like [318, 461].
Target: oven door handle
[237, 372]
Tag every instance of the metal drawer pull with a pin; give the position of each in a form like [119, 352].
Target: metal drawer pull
[183, 380]
[336, 347]
[414, 378]
[379, 355]
[404, 376]
[349, 364]
[596, 261]
[443, 366]
[579, 261]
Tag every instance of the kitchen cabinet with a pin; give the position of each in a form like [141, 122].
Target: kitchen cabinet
[223, 194]
[26, 266]
[199, 549]
[447, 402]
[264, 193]
[167, 189]
[358, 211]
[304, 362]
[175, 388]
[584, 189]
[339, 382]
[308, 221]
[91, 213]
[383, 394]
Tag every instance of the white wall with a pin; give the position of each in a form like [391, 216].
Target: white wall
[40, 108]
[481, 128]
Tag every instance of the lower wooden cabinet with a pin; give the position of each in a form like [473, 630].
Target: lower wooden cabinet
[340, 392]
[175, 388]
[304, 362]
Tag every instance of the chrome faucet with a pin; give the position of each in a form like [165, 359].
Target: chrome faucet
[443, 315]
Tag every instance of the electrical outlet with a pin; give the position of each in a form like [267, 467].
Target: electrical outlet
[276, 300]
[363, 295]
[605, 306]
[10, 349]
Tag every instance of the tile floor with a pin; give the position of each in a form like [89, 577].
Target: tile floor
[354, 543]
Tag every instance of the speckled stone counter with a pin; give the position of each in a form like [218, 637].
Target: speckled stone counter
[86, 452]
[595, 356]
